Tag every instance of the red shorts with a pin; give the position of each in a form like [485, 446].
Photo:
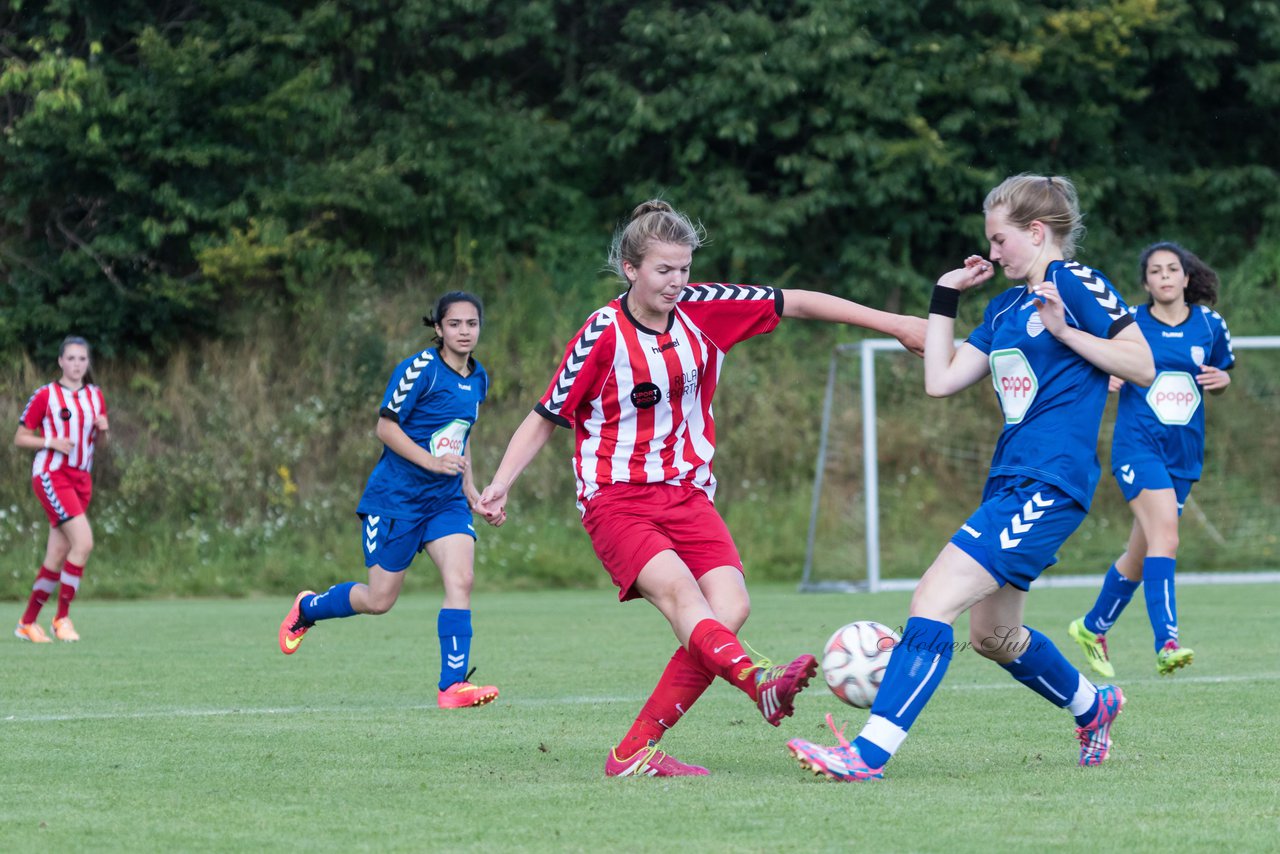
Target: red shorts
[64, 493]
[629, 523]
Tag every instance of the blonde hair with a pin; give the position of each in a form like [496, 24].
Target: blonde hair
[1051, 200]
[651, 222]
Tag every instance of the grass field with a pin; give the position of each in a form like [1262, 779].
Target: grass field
[178, 726]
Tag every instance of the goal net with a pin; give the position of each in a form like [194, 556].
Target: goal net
[898, 471]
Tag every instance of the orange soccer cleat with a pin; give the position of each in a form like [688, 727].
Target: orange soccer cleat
[464, 695]
[31, 632]
[293, 628]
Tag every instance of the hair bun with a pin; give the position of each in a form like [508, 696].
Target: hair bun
[651, 206]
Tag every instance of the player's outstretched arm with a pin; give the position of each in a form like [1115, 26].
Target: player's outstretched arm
[814, 305]
[526, 442]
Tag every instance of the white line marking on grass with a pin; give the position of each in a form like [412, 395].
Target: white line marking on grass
[1172, 682]
[296, 710]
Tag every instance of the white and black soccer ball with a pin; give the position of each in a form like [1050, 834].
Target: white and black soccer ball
[854, 660]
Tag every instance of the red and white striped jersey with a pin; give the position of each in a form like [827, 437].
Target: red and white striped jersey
[639, 401]
[60, 413]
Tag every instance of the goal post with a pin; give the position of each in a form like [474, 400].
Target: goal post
[1235, 514]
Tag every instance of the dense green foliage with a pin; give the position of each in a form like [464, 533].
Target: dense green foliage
[161, 162]
[246, 205]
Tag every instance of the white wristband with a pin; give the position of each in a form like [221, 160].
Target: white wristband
[47, 439]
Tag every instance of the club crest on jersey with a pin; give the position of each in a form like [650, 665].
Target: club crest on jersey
[1034, 324]
[65, 415]
[1197, 354]
[645, 396]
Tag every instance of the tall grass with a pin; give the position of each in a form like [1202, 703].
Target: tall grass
[235, 466]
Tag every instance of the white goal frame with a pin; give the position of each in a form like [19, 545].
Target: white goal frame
[868, 348]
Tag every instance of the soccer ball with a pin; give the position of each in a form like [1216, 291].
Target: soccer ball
[853, 661]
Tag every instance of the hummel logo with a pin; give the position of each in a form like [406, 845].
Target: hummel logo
[466, 387]
[1127, 474]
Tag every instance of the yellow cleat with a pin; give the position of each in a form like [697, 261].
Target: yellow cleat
[1173, 657]
[1094, 646]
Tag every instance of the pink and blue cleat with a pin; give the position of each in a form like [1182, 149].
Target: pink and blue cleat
[1095, 738]
[841, 762]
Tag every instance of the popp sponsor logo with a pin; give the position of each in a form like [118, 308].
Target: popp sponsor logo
[1017, 386]
[447, 445]
[1174, 397]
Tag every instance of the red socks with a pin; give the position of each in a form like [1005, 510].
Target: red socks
[712, 651]
[71, 575]
[718, 650]
[46, 581]
[680, 686]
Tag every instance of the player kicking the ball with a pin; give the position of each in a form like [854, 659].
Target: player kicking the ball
[635, 386]
[1049, 345]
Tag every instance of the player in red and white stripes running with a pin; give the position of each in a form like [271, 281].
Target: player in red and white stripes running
[635, 386]
[61, 423]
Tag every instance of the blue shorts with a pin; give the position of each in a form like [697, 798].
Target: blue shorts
[1016, 533]
[393, 543]
[1150, 472]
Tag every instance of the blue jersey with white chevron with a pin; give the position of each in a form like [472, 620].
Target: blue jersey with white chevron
[1166, 419]
[1051, 397]
[436, 407]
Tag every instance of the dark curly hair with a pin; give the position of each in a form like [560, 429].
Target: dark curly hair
[1202, 281]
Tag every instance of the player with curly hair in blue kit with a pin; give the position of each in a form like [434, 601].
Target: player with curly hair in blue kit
[1158, 450]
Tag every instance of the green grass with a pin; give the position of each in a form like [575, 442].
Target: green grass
[178, 726]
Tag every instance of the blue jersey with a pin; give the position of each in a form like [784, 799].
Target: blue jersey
[1166, 419]
[1051, 397]
[435, 406]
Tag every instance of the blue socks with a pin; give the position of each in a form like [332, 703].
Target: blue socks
[334, 602]
[1162, 602]
[1044, 669]
[1112, 598]
[915, 670]
[1162, 606]
[454, 628]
